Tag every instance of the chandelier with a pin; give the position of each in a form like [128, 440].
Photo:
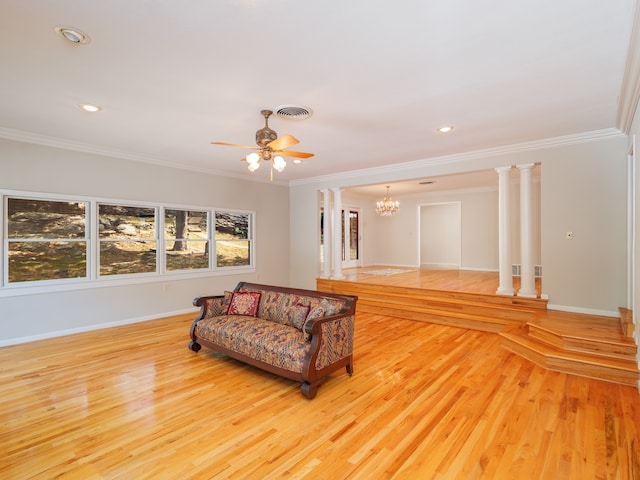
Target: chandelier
[387, 207]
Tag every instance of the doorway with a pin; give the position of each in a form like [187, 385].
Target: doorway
[440, 235]
[351, 238]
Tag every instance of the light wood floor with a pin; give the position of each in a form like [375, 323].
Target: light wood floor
[425, 401]
[455, 280]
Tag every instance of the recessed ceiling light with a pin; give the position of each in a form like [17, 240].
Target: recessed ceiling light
[73, 35]
[297, 160]
[87, 107]
[445, 129]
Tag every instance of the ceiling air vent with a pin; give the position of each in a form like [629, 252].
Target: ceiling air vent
[292, 112]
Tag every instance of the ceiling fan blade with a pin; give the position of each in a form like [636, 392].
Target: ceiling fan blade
[234, 145]
[284, 141]
[288, 153]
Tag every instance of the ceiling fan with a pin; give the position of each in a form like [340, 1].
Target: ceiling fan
[270, 148]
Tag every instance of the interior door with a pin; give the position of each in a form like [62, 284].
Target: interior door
[351, 238]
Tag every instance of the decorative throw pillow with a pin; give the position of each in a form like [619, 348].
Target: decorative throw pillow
[316, 312]
[227, 299]
[216, 308]
[244, 303]
[297, 315]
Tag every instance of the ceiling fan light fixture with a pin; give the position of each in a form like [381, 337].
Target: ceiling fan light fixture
[271, 148]
[279, 163]
[253, 158]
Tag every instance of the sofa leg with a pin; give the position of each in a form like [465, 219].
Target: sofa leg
[195, 346]
[350, 368]
[309, 390]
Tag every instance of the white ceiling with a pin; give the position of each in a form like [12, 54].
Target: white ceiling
[379, 76]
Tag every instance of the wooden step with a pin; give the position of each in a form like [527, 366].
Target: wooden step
[626, 322]
[467, 310]
[594, 364]
[591, 334]
[442, 317]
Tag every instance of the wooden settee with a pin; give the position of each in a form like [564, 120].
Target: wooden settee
[299, 334]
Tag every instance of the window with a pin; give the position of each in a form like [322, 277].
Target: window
[127, 239]
[232, 239]
[186, 236]
[54, 240]
[46, 239]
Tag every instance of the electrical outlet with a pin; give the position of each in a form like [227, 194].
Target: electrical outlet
[569, 235]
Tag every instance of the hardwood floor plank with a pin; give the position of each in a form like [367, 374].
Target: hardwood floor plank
[425, 401]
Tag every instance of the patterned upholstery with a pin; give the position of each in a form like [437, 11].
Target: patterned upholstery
[279, 307]
[214, 306]
[276, 344]
[337, 341]
[298, 335]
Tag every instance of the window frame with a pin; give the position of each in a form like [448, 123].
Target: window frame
[93, 278]
[209, 214]
[4, 231]
[215, 241]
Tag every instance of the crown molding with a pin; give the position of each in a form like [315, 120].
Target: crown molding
[578, 138]
[630, 89]
[47, 141]
[28, 137]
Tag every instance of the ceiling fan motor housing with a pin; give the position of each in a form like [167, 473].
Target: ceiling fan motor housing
[265, 135]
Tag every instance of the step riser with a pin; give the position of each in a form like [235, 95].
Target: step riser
[592, 347]
[474, 311]
[588, 370]
[381, 291]
[480, 312]
[441, 318]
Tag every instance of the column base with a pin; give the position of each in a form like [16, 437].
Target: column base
[527, 294]
[505, 291]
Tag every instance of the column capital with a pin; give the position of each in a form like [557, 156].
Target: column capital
[503, 169]
[526, 166]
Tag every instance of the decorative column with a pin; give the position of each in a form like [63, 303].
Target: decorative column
[337, 234]
[504, 243]
[326, 239]
[527, 272]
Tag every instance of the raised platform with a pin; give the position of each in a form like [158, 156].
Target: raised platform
[590, 346]
[476, 311]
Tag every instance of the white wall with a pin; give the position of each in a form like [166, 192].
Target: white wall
[582, 188]
[479, 225]
[34, 168]
[440, 230]
[584, 192]
[634, 138]
[396, 240]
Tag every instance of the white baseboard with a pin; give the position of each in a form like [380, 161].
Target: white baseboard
[471, 269]
[453, 266]
[89, 328]
[586, 311]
